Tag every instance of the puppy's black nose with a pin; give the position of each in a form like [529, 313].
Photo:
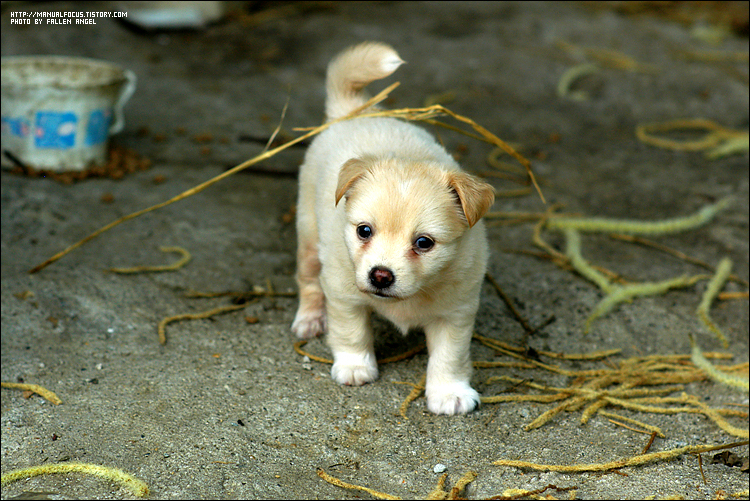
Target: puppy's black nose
[381, 278]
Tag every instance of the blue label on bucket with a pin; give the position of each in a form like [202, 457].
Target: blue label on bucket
[98, 128]
[15, 126]
[55, 130]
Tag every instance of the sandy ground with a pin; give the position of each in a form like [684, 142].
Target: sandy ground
[227, 409]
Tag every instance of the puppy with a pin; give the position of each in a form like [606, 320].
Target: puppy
[388, 222]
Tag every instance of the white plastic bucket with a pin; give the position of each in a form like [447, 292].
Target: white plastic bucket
[58, 112]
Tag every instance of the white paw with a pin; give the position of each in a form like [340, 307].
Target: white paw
[451, 398]
[353, 369]
[308, 324]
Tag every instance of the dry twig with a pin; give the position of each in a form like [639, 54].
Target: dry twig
[137, 487]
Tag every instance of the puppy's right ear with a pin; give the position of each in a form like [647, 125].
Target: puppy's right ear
[350, 172]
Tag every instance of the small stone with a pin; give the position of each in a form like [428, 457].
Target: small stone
[439, 468]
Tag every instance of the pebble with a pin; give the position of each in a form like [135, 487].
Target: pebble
[439, 468]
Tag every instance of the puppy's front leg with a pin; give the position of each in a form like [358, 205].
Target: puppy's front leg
[449, 369]
[351, 341]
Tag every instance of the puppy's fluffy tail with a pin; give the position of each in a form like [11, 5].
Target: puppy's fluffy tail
[352, 70]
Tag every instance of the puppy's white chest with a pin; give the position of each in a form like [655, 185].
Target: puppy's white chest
[404, 314]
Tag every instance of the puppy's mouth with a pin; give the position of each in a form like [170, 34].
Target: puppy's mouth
[381, 294]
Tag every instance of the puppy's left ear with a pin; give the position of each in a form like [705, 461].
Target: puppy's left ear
[475, 196]
[350, 172]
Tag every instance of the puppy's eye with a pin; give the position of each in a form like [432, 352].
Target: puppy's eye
[364, 231]
[424, 244]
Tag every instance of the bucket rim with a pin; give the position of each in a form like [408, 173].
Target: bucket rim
[119, 76]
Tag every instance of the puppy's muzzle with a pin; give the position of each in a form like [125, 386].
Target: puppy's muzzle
[381, 278]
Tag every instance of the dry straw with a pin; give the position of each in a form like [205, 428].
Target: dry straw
[413, 395]
[609, 58]
[396, 358]
[633, 461]
[570, 77]
[35, 388]
[684, 257]
[718, 141]
[714, 286]
[616, 294]
[628, 385]
[340, 483]
[701, 361]
[423, 114]
[162, 328]
[185, 259]
[437, 493]
[664, 227]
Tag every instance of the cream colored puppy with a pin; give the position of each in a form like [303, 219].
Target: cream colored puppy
[388, 221]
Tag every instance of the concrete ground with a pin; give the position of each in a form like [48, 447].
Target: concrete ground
[227, 409]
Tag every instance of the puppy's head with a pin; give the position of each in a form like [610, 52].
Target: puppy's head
[404, 220]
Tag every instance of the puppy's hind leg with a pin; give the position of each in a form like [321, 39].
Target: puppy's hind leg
[310, 320]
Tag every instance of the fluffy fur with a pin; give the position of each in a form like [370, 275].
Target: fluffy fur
[388, 222]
